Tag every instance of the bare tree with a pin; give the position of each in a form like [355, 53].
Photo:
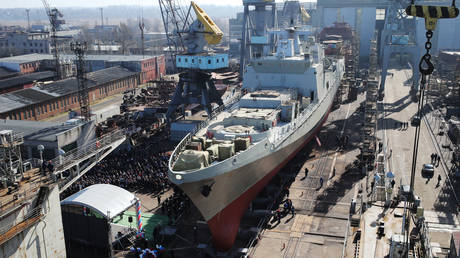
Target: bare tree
[125, 37]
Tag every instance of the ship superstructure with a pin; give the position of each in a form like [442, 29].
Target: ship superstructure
[286, 97]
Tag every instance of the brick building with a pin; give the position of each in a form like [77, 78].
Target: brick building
[149, 67]
[24, 81]
[47, 100]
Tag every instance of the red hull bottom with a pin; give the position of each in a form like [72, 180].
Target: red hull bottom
[224, 225]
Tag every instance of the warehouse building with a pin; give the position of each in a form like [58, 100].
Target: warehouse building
[47, 100]
[53, 136]
[149, 67]
[24, 81]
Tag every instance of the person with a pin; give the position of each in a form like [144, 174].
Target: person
[278, 215]
[321, 181]
[306, 172]
[44, 168]
[438, 159]
[372, 185]
[195, 234]
[159, 199]
[393, 183]
[50, 167]
[286, 189]
[432, 158]
[345, 143]
[292, 210]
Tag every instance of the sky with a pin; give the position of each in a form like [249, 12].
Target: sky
[95, 3]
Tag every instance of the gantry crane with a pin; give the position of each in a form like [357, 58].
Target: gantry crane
[196, 62]
[53, 16]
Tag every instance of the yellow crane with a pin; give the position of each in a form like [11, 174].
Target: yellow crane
[213, 33]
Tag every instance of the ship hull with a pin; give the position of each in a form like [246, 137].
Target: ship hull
[224, 225]
[234, 190]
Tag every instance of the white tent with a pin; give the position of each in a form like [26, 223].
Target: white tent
[108, 200]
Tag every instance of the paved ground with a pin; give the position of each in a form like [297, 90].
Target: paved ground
[320, 223]
[436, 198]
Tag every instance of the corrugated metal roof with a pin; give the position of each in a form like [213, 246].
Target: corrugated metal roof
[39, 57]
[5, 73]
[36, 130]
[22, 98]
[25, 79]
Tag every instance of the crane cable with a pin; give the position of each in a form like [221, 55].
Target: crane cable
[431, 14]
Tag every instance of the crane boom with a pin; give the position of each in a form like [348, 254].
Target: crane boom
[53, 15]
[213, 33]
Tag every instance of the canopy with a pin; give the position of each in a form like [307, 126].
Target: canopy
[108, 200]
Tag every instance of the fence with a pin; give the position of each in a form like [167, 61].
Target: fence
[200, 126]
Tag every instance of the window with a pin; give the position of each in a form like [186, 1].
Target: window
[46, 108]
[41, 50]
[38, 111]
[57, 104]
[209, 61]
[35, 44]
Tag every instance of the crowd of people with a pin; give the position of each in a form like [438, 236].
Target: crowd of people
[175, 205]
[129, 169]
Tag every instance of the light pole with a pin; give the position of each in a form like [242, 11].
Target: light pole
[40, 149]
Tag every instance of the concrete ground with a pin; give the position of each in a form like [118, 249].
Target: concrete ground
[320, 222]
[437, 198]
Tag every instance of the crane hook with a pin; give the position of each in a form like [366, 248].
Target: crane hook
[425, 66]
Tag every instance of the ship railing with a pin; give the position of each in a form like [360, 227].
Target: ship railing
[280, 134]
[178, 149]
[204, 124]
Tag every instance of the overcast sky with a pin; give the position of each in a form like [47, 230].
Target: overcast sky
[93, 3]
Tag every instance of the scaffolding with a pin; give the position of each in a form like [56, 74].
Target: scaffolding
[370, 107]
[11, 169]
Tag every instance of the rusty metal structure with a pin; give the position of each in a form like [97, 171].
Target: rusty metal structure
[80, 49]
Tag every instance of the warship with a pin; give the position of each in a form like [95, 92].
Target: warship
[285, 99]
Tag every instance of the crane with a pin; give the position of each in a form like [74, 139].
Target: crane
[175, 19]
[196, 62]
[53, 16]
